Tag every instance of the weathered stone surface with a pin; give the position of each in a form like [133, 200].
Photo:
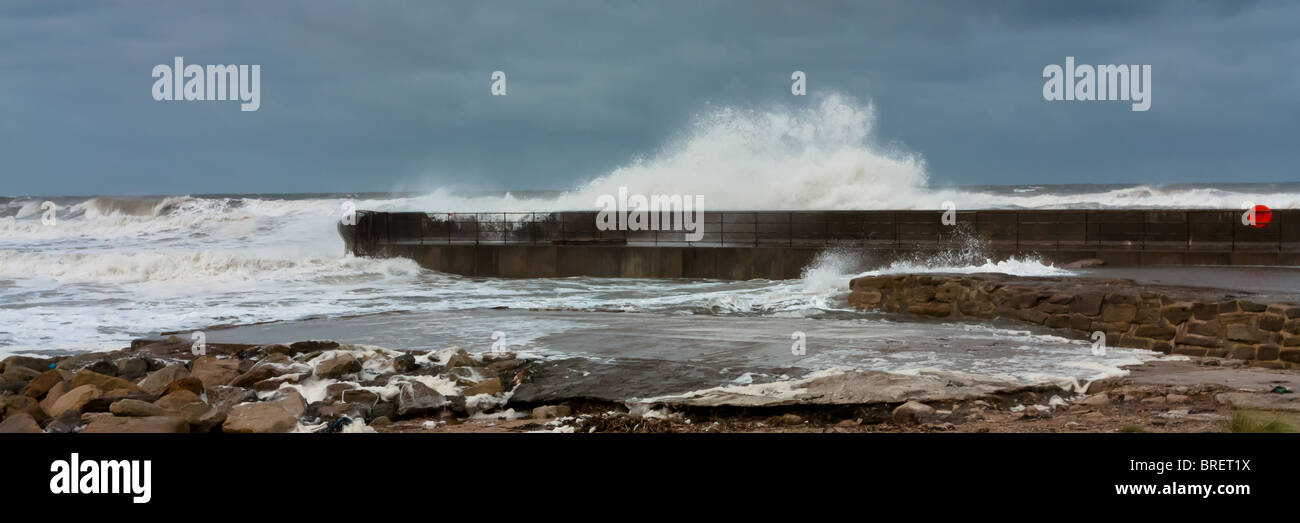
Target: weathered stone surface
[849, 388]
[13, 405]
[135, 408]
[1177, 312]
[178, 399]
[157, 380]
[1089, 304]
[1118, 312]
[460, 359]
[1203, 328]
[1197, 340]
[949, 292]
[19, 373]
[1289, 354]
[340, 365]
[404, 363]
[257, 373]
[1160, 331]
[73, 400]
[259, 418]
[42, 384]
[911, 413]
[358, 396]
[20, 423]
[292, 402]
[1260, 401]
[37, 364]
[1245, 333]
[417, 399]
[345, 410]
[488, 386]
[136, 425]
[1271, 322]
[188, 383]
[57, 391]
[132, 369]
[551, 411]
[1085, 263]
[1162, 318]
[507, 365]
[65, 423]
[103, 382]
[213, 371]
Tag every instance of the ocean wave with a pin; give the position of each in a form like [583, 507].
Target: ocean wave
[192, 267]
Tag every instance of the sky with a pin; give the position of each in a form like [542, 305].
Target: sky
[384, 96]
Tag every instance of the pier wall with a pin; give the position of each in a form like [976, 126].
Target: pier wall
[779, 244]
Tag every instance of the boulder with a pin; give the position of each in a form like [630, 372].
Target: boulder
[106, 400]
[417, 399]
[14, 405]
[488, 386]
[189, 383]
[103, 382]
[292, 402]
[501, 366]
[213, 371]
[132, 369]
[65, 423]
[42, 384]
[460, 358]
[259, 418]
[136, 425]
[339, 365]
[177, 399]
[135, 408]
[20, 373]
[158, 380]
[270, 367]
[552, 411]
[57, 391]
[359, 396]
[404, 363]
[20, 423]
[102, 367]
[911, 412]
[334, 391]
[37, 364]
[344, 410]
[73, 400]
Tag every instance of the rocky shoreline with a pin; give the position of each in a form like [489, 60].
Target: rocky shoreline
[1187, 321]
[321, 386]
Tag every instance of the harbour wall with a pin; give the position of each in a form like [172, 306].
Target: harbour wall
[740, 245]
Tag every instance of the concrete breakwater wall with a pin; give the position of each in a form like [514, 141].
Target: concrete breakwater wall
[779, 244]
[1173, 320]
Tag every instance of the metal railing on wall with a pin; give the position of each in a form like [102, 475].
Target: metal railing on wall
[1166, 230]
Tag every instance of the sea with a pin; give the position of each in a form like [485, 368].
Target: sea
[97, 272]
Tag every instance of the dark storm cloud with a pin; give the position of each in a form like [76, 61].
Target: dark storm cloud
[380, 96]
